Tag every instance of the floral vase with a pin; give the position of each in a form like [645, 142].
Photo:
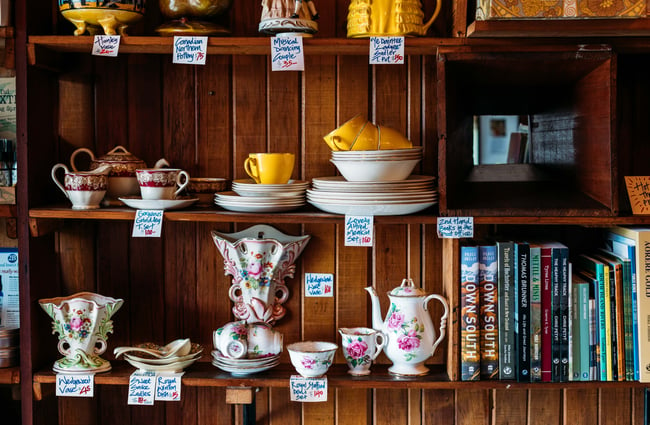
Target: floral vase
[83, 322]
[259, 259]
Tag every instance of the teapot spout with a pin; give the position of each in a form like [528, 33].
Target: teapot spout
[377, 322]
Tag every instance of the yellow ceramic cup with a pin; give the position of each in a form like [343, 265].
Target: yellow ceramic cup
[389, 138]
[342, 138]
[270, 168]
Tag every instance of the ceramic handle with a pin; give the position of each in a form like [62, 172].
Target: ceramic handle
[284, 293]
[62, 349]
[443, 318]
[380, 341]
[102, 346]
[118, 148]
[426, 26]
[251, 170]
[58, 183]
[184, 183]
[78, 151]
[161, 163]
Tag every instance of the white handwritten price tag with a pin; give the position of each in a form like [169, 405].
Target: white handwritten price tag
[319, 285]
[308, 389]
[386, 50]
[287, 54]
[147, 224]
[142, 388]
[106, 45]
[168, 387]
[75, 385]
[455, 227]
[358, 230]
[190, 50]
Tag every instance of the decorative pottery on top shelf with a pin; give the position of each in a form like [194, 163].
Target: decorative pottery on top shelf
[288, 16]
[368, 18]
[112, 16]
[122, 181]
[192, 17]
[259, 259]
[83, 323]
[411, 338]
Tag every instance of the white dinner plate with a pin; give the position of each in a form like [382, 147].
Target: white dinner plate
[236, 198]
[244, 370]
[157, 204]
[378, 209]
[257, 208]
[405, 194]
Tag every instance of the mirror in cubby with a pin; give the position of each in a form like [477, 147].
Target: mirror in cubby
[562, 97]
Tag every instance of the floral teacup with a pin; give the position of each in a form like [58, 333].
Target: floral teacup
[231, 339]
[312, 358]
[360, 347]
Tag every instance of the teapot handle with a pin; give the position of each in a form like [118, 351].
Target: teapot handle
[443, 318]
[78, 151]
[436, 12]
[161, 163]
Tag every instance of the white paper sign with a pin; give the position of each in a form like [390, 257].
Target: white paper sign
[319, 285]
[142, 388]
[455, 227]
[386, 50]
[287, 54]
[75, 385]
[308, 389]
[168, 387]
[190, 50]
[147, 224]
[106, 45]
[358, 230]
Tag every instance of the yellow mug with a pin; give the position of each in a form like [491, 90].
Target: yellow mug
[269, 168]
[342, 137]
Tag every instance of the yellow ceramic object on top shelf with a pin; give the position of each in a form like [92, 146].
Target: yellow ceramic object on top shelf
[112, 16]
[376, 18]
[359, 134]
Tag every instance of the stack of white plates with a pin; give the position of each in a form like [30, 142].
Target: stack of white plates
[248, 196]
[338, 196]
[244, 366]
[379, 155]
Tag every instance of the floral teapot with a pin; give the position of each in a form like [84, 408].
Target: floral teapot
[411, 338]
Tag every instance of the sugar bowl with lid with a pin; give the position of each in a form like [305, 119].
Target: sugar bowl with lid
[121, 180]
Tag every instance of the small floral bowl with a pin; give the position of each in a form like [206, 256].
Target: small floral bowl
[312, 358]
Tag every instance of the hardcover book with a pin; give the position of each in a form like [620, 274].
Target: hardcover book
[547, 314]
[535, 313]
[522, 312]
[489, 312]
[506, 308]
[469, 302]
[580, 327]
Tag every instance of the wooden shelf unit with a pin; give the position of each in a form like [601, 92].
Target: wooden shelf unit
[207, 119]
[10, 375]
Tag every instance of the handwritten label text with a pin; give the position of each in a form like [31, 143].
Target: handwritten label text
[75, 385]
[287, 54]
[319, 285]
[386, 50]
[455, 227]
[308, 389]
[358, 230]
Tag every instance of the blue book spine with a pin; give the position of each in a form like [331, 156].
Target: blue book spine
[470, 333]
[489, 319]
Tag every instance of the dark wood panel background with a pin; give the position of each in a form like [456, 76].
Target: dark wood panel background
[207, 119]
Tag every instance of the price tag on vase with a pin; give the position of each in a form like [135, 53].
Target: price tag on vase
[147, 224]
[308, 389]
[75, 385]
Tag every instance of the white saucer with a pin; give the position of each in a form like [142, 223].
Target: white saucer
[157, 204]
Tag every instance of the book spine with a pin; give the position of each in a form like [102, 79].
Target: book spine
[593, 341]
[523, 311]
[547, 314]
[489, 312]
[564, 314]
[607, 301]
[506, 306]
[580, 331]
[535, 314]
[627, 311]
[469, 300]
[555, 315]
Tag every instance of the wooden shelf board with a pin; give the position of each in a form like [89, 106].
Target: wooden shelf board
[10, 375]
[560, 28]
[309, 214]
[204, 374]
[8, 210]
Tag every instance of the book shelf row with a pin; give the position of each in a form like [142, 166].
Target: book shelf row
[542, 312]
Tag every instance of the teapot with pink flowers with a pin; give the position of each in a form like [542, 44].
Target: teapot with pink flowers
[411, 337]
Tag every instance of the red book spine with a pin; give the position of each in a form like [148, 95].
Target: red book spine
[547, 315]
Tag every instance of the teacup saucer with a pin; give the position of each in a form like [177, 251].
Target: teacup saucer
[157, 204]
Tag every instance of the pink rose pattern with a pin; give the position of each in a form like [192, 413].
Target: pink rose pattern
[356, 352]
[409, 334]
[78, 327]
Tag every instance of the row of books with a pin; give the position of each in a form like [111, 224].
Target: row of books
[534, 312]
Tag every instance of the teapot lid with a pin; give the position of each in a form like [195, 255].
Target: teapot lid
[407, 289]
[119, 153]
